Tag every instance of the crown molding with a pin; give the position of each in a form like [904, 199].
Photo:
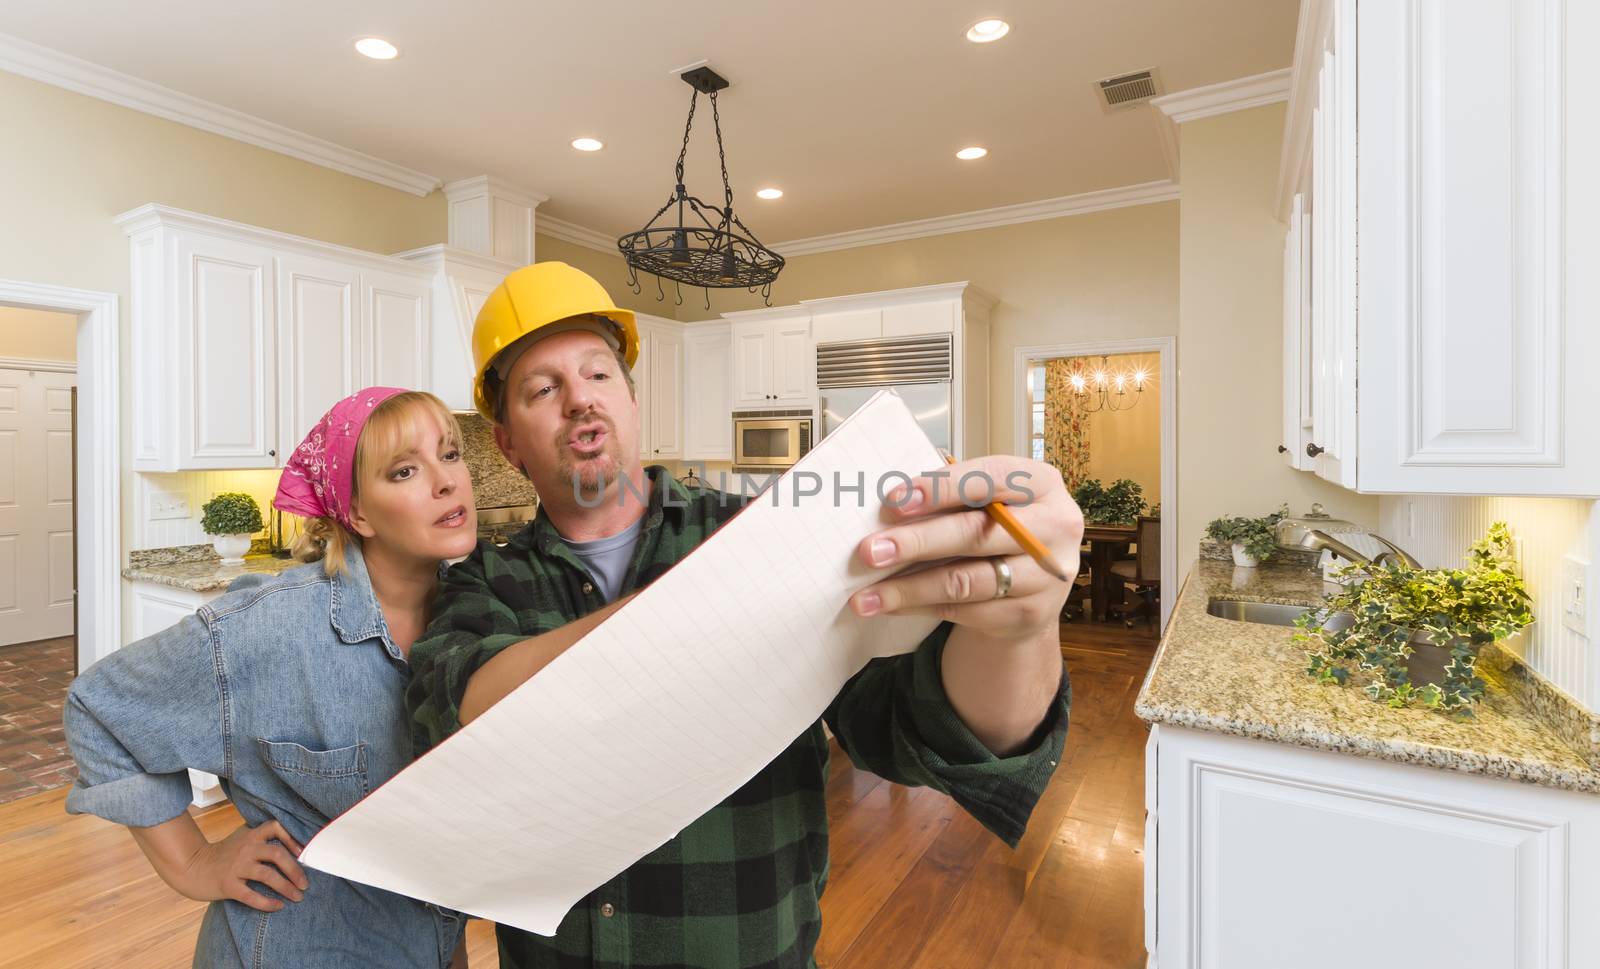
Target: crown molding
[30, 60]
[1235, 95]
[577, 235]
[962, 290]
[33, 364]
[465, 188]
[152, 215]
[439, 255]
[1113, 198]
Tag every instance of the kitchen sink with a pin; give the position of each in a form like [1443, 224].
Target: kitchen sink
[1270, 613]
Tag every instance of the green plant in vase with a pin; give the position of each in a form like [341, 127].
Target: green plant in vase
[1253, 540]
[1119, 504]
[231, 518]
[1384, 626]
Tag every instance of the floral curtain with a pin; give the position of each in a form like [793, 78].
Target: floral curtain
[1066, 425]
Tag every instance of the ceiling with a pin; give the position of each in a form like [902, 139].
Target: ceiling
[854, 109]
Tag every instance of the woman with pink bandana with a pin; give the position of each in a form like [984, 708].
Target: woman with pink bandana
[291, 690]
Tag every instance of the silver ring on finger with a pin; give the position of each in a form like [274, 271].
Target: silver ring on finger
[1002, 577]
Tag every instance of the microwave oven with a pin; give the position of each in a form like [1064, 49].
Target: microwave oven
[770, 440]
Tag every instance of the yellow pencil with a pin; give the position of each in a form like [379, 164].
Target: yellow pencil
[1035, 548]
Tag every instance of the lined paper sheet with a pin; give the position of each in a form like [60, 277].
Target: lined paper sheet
[659, 714]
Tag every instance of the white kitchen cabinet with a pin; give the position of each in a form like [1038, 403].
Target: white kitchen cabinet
[1262, 855]
[774, 359]
[461, 283]
[708, 392]
[1297, 414]
[319, 304]
[243, 337]
[1452, 349]
[394, 330]
[658, 385]
[156, 607]
[203, 337]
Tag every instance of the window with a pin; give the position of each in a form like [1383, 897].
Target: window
[1036, 394]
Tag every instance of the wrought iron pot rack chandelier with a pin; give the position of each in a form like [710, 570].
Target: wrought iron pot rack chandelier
[689, 241]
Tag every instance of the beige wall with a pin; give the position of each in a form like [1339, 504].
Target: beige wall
[37, 335]
[1230, 338]
[86, 161]
[610, 270]
[1127, 444]
[1102, 276]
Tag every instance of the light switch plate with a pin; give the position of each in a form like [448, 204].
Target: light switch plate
[165, 505]
[1575, 594]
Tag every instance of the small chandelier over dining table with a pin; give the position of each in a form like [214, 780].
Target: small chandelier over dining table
[1107, 389]
[690, 241]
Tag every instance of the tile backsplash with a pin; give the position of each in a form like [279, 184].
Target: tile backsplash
[1554, 536]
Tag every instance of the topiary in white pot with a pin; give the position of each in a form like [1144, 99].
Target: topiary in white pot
[231, 518]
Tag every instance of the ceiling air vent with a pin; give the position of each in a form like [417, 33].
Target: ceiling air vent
[1126, 90]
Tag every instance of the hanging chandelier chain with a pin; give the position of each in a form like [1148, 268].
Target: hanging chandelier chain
[722, 155]
[694, 99]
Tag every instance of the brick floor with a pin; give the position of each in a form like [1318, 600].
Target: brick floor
[33, 686]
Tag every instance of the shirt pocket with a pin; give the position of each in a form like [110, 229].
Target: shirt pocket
[330, 781]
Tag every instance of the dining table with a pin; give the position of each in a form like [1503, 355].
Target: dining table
[1106, 542]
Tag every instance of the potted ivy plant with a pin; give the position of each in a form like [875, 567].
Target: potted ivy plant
[1119, 504]
[231, 518]
[1253, 540]
[1417, 633]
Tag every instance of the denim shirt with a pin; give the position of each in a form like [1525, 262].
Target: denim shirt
[290, 690]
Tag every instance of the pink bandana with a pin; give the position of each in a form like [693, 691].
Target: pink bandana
[316, 482]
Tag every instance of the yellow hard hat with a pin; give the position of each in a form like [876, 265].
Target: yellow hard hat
[529, 299]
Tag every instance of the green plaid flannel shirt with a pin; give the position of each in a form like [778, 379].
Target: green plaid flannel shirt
[740, 887]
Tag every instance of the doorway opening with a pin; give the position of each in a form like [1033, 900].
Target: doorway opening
[38, 601]
[60, 607]
[1105, 416]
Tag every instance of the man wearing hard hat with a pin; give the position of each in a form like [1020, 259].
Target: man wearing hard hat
[978, 710]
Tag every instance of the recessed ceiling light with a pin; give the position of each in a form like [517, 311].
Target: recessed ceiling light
[587, 144]
[770, 193]
[968, 154]
[988, 30]
[377, 48]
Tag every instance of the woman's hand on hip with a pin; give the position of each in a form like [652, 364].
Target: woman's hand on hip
[224, 869]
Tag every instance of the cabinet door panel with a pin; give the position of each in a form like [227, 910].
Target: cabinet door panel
[1476, 376]
[666, 397]
[227, 382]
[641, 386]
[752, 364]
[793, 367]
[708, 396]
[318, 306]
[395, 331]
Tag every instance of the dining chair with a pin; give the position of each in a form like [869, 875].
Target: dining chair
[1143, 573]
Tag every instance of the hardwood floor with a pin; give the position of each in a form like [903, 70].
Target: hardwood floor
[915, 882]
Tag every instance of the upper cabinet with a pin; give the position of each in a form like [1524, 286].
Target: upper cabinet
[242, 337]
[658, 384]
[1431, 291]
[708, 392]
[774, 363]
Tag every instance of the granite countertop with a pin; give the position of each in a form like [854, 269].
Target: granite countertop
[205, 574]
[1249, 679]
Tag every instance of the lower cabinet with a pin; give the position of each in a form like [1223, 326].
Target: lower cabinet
[155, 607]
[1261, 855]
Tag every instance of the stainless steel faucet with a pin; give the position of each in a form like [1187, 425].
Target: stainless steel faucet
[1317, 540]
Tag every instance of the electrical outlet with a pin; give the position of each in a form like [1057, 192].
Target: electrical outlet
[1574, 595]
[165, 505]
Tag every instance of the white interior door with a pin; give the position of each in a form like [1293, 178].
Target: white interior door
[36, 541]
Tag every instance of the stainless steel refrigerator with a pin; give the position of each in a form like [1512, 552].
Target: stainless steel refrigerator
[918, 368]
